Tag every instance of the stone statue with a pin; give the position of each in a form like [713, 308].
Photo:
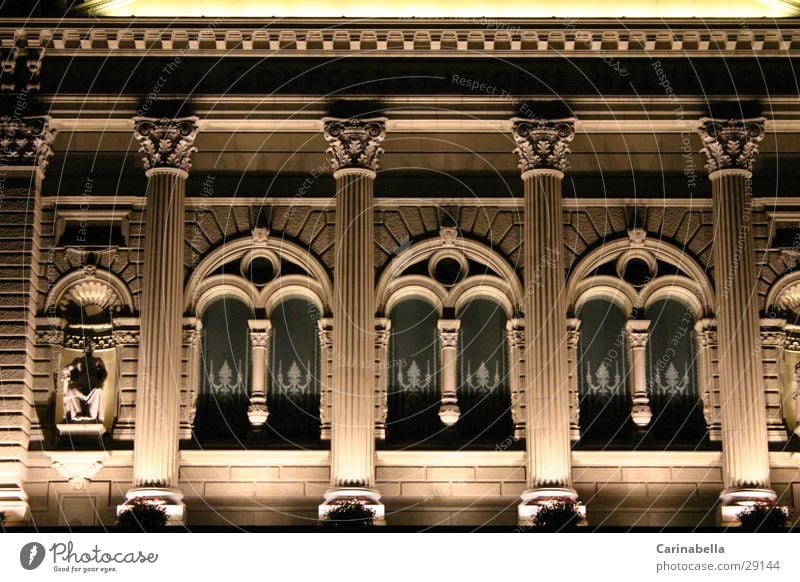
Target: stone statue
[84, 379]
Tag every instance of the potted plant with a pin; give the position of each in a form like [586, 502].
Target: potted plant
[763, 516]
[349, 512]
[143, 515]
[558, 514]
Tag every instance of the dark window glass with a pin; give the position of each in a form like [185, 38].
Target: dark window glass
[294, 371]
[672, 379]
[413, 373]
[225, 368]
[483, 393]
[605, 402]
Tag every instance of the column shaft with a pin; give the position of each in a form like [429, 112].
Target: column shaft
[547, 403]
[744, 435]
[157, 404]
[353, 439]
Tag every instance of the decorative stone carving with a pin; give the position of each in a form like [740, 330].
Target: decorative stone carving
[789, 298]
[449, 235]
[731, 144]
[91, 293]
[52, 337]
[191, 337]
[354, 143]
[77, 466]
[542, 144]
[125, 337]
[382, 367]
[773, 338]
[26, 141]
[260, 236]
[166, 143]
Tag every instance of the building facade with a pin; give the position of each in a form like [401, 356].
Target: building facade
[455, 269]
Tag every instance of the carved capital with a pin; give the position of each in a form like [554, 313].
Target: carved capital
[638, 339]
[166, 143]
[541, 144]
[707, 339]
[448, 332]
[730, 144]
[259, 339]
[354, 143]
[26, 141]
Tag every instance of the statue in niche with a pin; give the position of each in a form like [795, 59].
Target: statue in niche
[84, 379]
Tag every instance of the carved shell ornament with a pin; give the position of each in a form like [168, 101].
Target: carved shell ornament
[93, 296]
[542, 144]
[354, 143]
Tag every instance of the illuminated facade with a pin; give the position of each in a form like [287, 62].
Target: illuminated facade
[454, 268]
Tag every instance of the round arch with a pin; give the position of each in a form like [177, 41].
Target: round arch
[63, 285]
[236, 249]
[661, 250]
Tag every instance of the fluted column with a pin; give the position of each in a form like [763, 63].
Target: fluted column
[383, 328]
[542, 149]
[25, 149]
[325, 331]
[449, 412]
[573, 341]
[706, 334]
[167, 148]
[192, 334]
[638, 334]
[258, 411]
[515, 332]
[730, 147]
[354, 147]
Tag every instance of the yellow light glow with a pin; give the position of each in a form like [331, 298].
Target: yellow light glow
[469, 10]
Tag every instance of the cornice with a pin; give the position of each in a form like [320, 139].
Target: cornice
[517, 38]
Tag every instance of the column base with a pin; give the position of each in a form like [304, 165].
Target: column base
[735, 499]
[372, 497]
[14, 504]
[171, 499]
[532, 499]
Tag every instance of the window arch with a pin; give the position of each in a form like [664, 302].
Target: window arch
[413, 372]
[605, 402]
[483, 393]
[671, 373]
[293, 394]
[225, 372]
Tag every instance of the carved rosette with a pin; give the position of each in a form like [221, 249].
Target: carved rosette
[166, 143]
[730, 144]
[541, 144]
[26, 141]
[354, 143]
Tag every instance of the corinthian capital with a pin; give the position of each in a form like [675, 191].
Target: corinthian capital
[166, 143]
[26, 141]
[730, 144]
[354, 143]
[542, 144]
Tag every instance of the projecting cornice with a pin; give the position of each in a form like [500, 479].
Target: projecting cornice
[508, 37]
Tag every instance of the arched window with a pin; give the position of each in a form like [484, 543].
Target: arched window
[671, 374]
[483, 392]
[413, 373]
[225, 366]
[294, 371]
[605, 401]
